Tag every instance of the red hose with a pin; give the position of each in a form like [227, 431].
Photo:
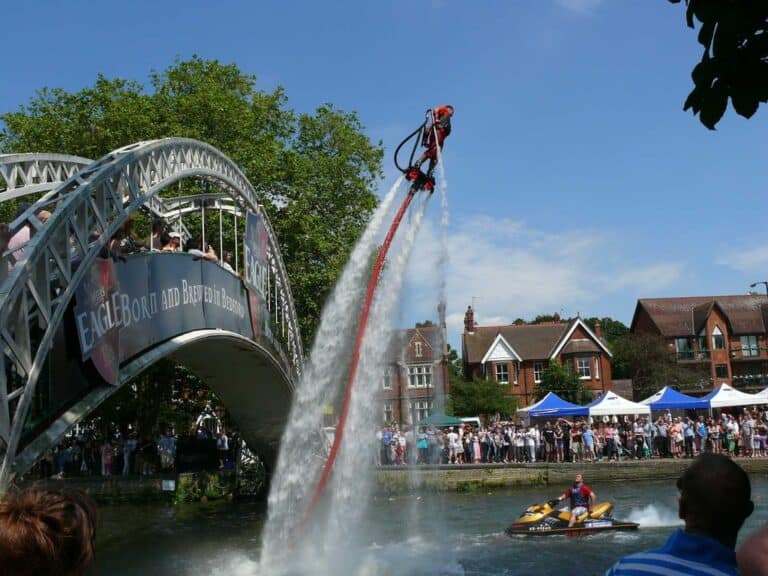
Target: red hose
[372, 284]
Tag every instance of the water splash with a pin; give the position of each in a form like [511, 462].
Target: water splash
[300, 455]
[653, 516]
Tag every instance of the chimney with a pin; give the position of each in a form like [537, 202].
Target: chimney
[598, 329]
[469, 321]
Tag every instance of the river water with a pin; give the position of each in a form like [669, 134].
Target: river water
[419, 534]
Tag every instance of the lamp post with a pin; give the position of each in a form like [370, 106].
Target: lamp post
[764, 282]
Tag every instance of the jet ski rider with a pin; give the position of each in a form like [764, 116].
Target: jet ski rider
[582, 498]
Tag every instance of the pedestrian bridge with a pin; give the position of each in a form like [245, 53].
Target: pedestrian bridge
[77, 323]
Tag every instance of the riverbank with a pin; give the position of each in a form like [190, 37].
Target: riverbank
[171, 488]
[471, 477]
[395, 480]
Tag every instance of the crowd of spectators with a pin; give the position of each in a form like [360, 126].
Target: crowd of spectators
[88, 453]
[741, 433]
[163, 239]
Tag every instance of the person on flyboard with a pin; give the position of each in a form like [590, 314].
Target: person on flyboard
[436, 130]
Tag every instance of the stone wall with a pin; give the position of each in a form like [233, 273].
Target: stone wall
[475, 477]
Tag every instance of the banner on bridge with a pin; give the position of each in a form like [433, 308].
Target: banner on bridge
[257, 274]
[123, 308]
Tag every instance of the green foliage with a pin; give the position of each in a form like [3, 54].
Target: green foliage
[315, 172]
[165, 395]
[425, 324]
[652, 366]
[563, 382]
[479, 397]
[734, 61]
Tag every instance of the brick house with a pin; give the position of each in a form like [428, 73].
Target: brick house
[416, 381]
[516, 356]
[726, 334]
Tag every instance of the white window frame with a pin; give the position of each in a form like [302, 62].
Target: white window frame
[516, 369]
[597, 368]
[420, 376]
[715, 333]
[417, 349]
[505, 365]
[580, 369]
[420, 409]
[750, 348]
[387, 382]
[387, 412]
[538, 371]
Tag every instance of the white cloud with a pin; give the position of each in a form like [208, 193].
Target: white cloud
[750, 261]
[579, 6]
[514, 271]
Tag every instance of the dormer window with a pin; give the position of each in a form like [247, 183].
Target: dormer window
[718, 340]
[417, 349]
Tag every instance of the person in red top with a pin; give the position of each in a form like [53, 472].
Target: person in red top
[582, 498]
[435, 134]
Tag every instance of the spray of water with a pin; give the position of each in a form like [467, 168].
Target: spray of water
[351, 481]
[299, 459]
[652, 516]
[337, 526]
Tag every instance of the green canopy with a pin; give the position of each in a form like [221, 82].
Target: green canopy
[440, 419]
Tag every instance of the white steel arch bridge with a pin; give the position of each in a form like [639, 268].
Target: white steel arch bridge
[89, 202]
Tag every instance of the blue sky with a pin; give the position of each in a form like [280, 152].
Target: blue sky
[576, 181]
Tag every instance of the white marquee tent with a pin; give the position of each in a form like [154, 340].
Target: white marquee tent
[724, 396]
[762, 395]
[610, 404]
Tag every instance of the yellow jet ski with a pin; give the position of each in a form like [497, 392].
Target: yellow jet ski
[545, 519]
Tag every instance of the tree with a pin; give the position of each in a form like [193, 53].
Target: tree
[563, 382]
[613, 331]
[479, 397]
[652, 366]
[315, 172]
[734, 63]
[425, 324]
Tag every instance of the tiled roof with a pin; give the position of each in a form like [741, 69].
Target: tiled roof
[530, 341]
[399, 347]
[580, 345]
[746, 314]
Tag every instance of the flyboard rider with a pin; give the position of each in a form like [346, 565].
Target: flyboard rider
[434, 135]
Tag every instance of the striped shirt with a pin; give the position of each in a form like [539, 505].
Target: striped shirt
[684, 554]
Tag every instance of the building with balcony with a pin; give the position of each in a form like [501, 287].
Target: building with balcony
[516, 356]
[416, 381]
[726, 334]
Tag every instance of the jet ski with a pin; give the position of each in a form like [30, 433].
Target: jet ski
[546, 519]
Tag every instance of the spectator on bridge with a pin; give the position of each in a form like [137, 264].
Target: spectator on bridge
[46, 532]
[195, 247]
[125, 241]
[173, 242]
[155, 240]
[19, 240]
[226, 261]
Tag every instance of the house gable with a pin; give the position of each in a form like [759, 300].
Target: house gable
[583, 331]
[500, 350]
